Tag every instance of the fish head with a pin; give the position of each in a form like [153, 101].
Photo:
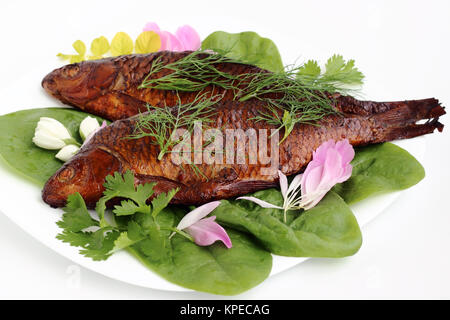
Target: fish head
[78, 83]
[85, 174]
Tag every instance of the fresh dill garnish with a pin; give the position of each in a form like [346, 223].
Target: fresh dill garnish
[161, 123]
[193, 72]
[300, 94]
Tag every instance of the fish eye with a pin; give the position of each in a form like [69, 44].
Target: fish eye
[66, 174]
[70, 70]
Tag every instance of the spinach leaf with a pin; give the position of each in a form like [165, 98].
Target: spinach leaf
[248, 47]
[214, 269]
[20, 153]
[379, 169]
[327, 230]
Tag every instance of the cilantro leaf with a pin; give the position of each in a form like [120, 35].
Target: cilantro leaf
[310, 69]
[75, 239]
[104, 252]
[134, 230]
[124, 241]
[123, 186]
[334, 64]
[337, 69]
[94, 245]
[76, 216]
[161, 201]
[128, 207]
[139, 224]
[337, 72]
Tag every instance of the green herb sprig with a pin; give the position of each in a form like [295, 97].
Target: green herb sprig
[100, 238]
[300, 94]
[161, 123]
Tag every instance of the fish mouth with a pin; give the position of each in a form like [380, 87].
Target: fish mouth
[53, 200]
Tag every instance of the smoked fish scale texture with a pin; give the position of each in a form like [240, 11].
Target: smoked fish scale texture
[111, 150]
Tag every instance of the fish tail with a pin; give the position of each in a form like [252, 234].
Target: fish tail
[407, 119]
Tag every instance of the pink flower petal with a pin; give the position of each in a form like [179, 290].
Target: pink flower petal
[260, 202]
[169, 42]
[321, 152]
[346, 175]
[197, 214]
[312, 181]
[151, 26]
[346, 151]
[206, 231]
[332, 168]
[316, 200]
[330, 165]
[188, 38]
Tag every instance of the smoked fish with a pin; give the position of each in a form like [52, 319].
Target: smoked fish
[109, 87]
[111, 150]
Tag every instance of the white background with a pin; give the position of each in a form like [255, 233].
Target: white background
[401, 46]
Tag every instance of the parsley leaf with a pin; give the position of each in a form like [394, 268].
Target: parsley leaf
[128, 207]
[123, 241]
[337, 72]
[123, 186]
[162, 201]
[105, 239]
[96, 245]
[76, 216]
[310, 68]
[337, 69]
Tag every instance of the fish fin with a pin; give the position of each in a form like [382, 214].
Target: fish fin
[428, 108]
[115, 106]
[202, 192]
[408, 119]
[244, 187]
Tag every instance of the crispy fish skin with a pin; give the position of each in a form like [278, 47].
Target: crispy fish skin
[361, 122]
[109, 87]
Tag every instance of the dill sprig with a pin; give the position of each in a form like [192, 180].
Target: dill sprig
[161, 123]
[299, 97]
[300, 94]
[193, 72]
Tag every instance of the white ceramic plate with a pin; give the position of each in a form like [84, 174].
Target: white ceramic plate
[39, 220]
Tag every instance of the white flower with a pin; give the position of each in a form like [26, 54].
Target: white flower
[90, 135]
[51, 134]
[67, 152]
[87, 126]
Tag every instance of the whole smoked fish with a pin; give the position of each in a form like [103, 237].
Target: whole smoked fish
[109, 87]
[361, 122]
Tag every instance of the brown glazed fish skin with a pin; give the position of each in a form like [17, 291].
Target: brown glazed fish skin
[361, 122]
[109, 87]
